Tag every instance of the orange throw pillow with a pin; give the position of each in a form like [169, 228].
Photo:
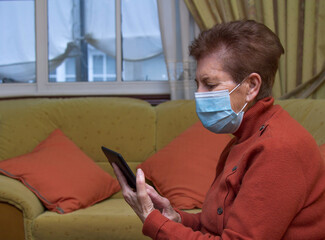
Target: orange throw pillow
[61, 175]
[322, 150]
[183, 170]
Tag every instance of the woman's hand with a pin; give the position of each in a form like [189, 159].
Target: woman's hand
[145, 199]
[163, 205]
[139, 201]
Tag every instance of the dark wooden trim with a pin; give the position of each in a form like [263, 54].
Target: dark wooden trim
[11, 222]
[152, 99]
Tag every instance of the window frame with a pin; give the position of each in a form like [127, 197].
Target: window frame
[42, 86]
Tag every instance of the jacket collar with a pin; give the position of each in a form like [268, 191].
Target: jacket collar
[255, 118]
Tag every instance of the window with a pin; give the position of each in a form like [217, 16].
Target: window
[89, 47]
[17, 42]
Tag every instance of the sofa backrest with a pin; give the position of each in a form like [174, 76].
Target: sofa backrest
[130, 126]
[173, 118]
[310, 113]
[123, 124]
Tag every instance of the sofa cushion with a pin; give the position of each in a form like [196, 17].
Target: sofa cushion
[61, 175]
[183, 170]
[109, 219]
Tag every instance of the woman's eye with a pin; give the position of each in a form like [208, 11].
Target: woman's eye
[211, 86]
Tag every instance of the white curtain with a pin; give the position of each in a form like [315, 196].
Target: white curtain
[17, 42]
[178, 30]
[140, 41]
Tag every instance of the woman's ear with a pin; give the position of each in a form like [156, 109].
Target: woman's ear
[254, 82]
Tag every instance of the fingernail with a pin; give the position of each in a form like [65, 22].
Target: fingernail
[139, 171]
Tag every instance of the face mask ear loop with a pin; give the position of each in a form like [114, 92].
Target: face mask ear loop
[235, 88]
[243, 107]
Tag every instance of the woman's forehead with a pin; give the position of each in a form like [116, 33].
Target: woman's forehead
[210, 66]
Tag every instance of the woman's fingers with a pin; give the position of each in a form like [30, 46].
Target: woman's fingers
[119, 175]
[127, 192]
[145, 199]
[159, 201]
[139, 201]
[142, 196]
[163, 204]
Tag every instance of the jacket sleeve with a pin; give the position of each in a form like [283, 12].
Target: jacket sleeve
[190, 220]
[158, 226]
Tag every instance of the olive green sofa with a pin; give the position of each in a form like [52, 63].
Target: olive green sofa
[130, 126]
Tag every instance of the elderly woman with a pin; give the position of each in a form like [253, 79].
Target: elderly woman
[270, 179]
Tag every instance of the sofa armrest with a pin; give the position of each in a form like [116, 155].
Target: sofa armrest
[15, 193]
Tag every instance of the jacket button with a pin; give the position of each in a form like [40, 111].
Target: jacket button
[262, 127]
[219, 210]
[234, 168]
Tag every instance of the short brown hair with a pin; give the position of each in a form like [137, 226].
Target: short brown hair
[245, 47]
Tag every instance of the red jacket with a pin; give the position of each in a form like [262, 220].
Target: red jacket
[270, 184]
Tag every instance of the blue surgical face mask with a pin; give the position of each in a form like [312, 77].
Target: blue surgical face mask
[215, 112]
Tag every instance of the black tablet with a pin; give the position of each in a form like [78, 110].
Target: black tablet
[114, 157]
